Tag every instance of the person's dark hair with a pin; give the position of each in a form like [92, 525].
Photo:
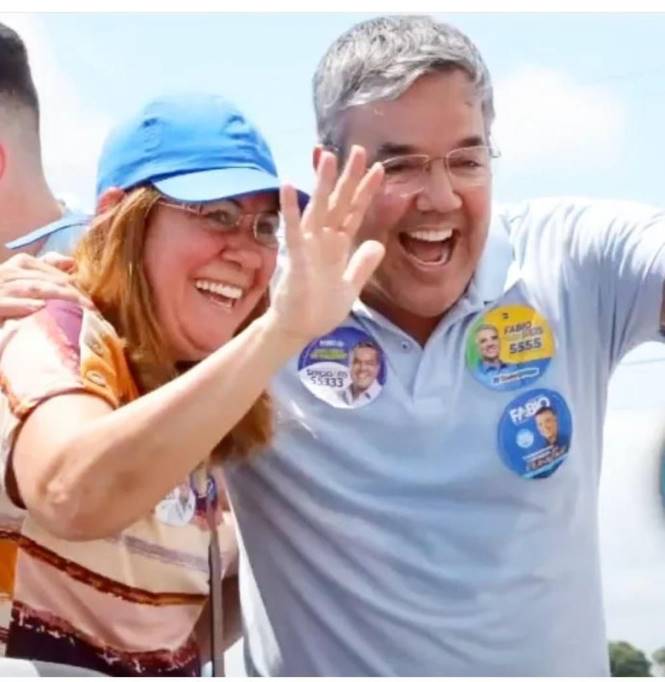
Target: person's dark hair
[16, 84]
[544, 409]
[367, 344]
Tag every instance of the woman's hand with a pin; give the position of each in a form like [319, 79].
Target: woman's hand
[325, 271]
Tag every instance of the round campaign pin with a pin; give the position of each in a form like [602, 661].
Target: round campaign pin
[345, 368]
[178, 507]
[535, 432]
[509, 347]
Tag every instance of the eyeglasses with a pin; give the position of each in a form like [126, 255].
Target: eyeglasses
[466, 167]
[227, 217]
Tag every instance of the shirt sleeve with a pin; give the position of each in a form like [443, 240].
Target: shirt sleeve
[606, 256]
[60, 349]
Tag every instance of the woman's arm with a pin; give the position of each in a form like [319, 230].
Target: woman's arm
[86, 471]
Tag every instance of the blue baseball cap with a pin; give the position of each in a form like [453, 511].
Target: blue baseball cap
[192, 148]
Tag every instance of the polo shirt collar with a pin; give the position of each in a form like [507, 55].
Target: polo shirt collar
[69, 219]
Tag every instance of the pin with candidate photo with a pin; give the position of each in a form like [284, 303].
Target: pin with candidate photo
[345, 368]
[535, 433]
[178, 507]
[509, 347]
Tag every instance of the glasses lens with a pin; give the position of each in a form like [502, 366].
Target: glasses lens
[469, 165]
[225, 217]
[266, 228]
[405, 170]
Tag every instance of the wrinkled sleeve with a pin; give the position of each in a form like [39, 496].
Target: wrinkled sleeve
[608, 256]
[60, 349]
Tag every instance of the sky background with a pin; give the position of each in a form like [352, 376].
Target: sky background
[580, 102]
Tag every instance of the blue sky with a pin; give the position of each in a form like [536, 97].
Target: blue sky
[580, 110]
[580, 98]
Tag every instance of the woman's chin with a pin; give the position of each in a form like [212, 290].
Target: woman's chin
[201, 347]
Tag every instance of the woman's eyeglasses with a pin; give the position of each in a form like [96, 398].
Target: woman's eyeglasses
[227, 216]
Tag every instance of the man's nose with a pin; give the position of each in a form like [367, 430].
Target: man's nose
[438, 193]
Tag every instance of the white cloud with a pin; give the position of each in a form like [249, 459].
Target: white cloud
[72, 130]
[544, 114]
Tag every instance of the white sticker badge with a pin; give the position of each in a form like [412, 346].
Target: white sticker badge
[345, 368]
[178, 507]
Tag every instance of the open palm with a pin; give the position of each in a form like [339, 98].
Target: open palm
[325, 272]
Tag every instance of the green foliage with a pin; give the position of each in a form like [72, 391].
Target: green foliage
[627, 661]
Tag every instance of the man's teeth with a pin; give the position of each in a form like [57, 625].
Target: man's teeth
[431, 235]
[227, 290]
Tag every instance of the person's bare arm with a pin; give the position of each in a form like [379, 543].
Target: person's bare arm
[86, 471]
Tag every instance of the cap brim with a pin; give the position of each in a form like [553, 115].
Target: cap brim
[220, 183]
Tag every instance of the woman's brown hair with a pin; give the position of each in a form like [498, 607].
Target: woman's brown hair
[110, 270]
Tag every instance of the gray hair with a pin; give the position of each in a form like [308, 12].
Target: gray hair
[381, 58]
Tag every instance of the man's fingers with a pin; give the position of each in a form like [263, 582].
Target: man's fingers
[23, 265]
[9, 275]
[363, 263]
[24, 261]
[57, 260]
[40, 289]
[12, 308]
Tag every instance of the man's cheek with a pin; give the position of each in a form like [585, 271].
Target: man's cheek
[386, 211]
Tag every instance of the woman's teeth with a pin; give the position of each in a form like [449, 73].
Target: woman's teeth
[227, 290]
[221, 294]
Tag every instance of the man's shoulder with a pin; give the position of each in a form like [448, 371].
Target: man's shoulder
[568, 210]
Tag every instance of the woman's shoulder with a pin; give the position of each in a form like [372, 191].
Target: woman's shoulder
[64, 339]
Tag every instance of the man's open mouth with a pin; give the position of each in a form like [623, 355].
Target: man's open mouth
[429, 247]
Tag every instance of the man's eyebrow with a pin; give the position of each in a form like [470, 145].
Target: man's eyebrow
[471, 141]
[390, 149]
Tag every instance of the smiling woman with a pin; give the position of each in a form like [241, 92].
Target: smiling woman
[118, 416]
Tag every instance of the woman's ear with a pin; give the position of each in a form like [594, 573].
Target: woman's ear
[111, 197]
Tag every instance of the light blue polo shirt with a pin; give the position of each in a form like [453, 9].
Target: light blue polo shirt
[61, 234]
[449, 525]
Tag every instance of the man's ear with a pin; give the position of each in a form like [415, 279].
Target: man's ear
[111, 197]
[316, 155]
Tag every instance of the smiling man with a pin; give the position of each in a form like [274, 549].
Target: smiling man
[364, 372]
[424, 532]
[488, 344]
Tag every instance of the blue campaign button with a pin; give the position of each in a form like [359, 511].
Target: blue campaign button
[535, 433]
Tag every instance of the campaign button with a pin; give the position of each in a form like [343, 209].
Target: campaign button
[345, 368]
[178, 507]
[509, 347]
[535, 433]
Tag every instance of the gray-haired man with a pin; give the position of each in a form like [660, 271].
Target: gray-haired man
[424, 533]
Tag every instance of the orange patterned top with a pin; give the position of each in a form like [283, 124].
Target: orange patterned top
[123, 605]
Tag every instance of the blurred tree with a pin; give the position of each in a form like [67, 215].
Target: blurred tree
[658, 657]
[627, 661]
